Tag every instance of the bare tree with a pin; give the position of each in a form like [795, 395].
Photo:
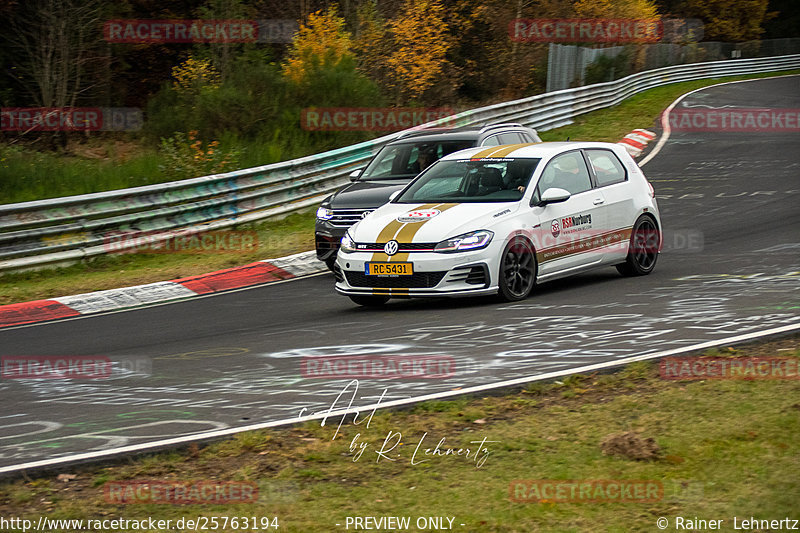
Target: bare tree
[53, 43]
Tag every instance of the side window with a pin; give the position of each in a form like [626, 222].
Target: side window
[494, 140]
[606, 166]
[510, 138]
[567, 171]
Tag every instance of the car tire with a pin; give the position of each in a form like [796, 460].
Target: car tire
[643, 248]
[517, 274]
[369, 301]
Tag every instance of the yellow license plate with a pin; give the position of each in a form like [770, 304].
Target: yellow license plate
[388, 269]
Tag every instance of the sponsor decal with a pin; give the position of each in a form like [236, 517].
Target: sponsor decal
[555, 228]
[578, 220]
[501, 213]
[420, 215]
[585, 241]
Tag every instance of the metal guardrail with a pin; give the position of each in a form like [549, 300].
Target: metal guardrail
[63, 230]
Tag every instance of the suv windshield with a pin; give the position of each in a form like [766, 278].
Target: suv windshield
[406, 160]
[499, 180]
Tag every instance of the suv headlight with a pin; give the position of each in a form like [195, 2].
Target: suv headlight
[474, 240]
[347, 245]
[324, 213]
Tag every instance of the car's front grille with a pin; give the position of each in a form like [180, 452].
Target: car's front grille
[401, 247]
[344, 218]
[419, 280]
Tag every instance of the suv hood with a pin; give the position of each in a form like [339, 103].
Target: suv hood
[366, 194]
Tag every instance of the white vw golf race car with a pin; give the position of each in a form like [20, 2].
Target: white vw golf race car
[498, 220]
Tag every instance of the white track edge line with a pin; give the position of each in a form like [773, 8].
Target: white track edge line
[395, 403]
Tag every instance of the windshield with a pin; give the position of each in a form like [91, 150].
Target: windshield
[406, 160]
[486, 180]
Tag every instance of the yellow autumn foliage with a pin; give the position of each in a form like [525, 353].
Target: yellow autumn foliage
[194, 73]
[629, 9]
[421, 42]
[323, 39]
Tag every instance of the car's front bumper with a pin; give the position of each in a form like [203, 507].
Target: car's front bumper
[327, 239]
[461, 274]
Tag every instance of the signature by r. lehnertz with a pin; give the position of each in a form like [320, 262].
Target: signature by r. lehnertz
[393, 448]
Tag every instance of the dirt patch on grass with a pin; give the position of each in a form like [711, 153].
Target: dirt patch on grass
[631, 446]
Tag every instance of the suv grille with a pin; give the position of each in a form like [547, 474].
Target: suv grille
[344, 218]
[420, 280]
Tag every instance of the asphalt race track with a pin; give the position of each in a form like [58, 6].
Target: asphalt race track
[730, 204]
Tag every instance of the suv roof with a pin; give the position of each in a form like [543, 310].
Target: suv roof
[460, 133]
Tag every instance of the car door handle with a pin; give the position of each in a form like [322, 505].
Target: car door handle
[598, 201]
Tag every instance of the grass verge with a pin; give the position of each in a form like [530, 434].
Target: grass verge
[295, 234]
[726, 448]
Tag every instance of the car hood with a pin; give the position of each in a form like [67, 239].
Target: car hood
[429, 222]
[365, 194]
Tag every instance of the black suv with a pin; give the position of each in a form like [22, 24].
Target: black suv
[393, 167]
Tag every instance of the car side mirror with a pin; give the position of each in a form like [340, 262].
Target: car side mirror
[355, 174]
[394, 195]
[554, 195]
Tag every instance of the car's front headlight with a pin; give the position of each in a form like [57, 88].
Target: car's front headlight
[474, 240]
[348, 245]
[324, 213]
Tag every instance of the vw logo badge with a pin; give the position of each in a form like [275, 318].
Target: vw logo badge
[391, 248]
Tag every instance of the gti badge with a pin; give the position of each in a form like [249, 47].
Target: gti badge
[365, 213]
[391, 248]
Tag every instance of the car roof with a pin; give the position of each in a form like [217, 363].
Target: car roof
[527, 150]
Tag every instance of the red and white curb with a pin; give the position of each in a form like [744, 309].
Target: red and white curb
[636, 141]
[258, 273]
